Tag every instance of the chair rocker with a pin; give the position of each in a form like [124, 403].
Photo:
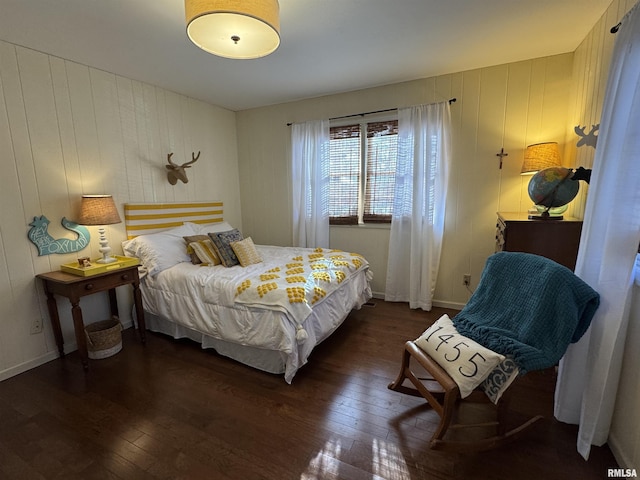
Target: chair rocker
[443, 395]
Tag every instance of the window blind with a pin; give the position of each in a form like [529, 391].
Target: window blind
[382, 148]
[362, 173]
[344, 177]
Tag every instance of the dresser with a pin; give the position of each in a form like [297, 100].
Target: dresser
[554, 239]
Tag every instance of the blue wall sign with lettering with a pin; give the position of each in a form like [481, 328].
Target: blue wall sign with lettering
[47, 245]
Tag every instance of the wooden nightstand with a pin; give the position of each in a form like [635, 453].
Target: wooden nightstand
[73, 287]
[554, 239]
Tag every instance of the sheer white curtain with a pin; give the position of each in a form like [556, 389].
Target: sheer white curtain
[310, 177]
[589, 372]
[417, 223]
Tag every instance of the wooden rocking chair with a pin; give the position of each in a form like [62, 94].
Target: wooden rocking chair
[546, 307]
[443, 395]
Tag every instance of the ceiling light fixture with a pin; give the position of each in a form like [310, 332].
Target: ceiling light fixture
[241, 29]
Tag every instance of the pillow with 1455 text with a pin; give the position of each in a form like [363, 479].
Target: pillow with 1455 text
[467, 362]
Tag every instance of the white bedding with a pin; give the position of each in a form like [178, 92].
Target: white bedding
[200, 302]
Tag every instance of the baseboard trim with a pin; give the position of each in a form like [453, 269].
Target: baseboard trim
[452, 305]
[23, 367]
[624, 460]
[436, 303]
[47, 357]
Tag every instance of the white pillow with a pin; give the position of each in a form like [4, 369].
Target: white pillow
[214, 228]
[162, 250]
[467, 362]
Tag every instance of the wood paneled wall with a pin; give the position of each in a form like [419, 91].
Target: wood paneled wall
[67, 130]
[508, 106]
[589, 82]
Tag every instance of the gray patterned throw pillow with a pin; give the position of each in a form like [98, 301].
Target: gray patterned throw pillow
[222, 241]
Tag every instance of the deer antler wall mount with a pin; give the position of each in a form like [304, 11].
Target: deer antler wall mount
[590, 138]
[177, 172]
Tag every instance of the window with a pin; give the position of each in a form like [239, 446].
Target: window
[362, 172]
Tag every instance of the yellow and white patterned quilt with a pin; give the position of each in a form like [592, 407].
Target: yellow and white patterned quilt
[297, 284]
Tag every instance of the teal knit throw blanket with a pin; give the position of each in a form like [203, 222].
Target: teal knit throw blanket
[528, 307]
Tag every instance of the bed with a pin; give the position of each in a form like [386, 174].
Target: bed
[268, 312]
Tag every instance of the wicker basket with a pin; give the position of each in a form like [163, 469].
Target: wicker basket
[104, 338]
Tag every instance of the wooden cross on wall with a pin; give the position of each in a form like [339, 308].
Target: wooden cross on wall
[501, 155]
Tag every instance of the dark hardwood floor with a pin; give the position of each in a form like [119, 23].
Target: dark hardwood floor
[169, 410]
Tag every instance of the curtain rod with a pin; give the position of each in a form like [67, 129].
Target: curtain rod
[451, 100]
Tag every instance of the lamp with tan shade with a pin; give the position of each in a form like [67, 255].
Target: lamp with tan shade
[100, 210]
[540, 156]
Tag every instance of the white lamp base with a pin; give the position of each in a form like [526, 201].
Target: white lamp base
[107, 259]
[105, 249]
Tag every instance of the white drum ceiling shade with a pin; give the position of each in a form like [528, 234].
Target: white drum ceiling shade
[240, 29]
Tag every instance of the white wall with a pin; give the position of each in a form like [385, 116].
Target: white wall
[508, 106]
[67, 130]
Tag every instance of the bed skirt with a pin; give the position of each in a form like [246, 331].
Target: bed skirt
[325, 319]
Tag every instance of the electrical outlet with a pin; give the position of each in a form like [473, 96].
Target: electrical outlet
[466, 279]
[36, 326]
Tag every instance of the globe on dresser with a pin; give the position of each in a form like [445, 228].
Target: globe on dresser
[551, 190]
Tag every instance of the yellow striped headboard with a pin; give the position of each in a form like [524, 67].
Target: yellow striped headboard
[145, 218]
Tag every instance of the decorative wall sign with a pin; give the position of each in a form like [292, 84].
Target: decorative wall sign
[47, 245]
[587, 138]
